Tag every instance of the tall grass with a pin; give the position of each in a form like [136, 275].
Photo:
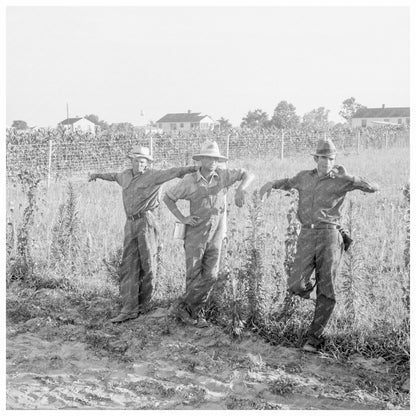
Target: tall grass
[372, 287]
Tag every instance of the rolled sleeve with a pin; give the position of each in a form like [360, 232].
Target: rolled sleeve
[162, 176]
[112, 176]
[179, 191]
[361, 184]
[231, 176]
[286, 184]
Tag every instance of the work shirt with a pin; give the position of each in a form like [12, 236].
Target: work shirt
[141, 192]
[321, 199]
[206, 197]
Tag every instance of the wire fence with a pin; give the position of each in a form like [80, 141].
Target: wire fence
[55, 153]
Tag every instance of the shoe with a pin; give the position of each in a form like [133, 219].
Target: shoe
[308, 347]
[124, 317]
[184, 316]
[202, 323]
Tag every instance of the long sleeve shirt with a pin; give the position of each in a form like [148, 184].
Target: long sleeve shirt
[141, 192]
[321, 199]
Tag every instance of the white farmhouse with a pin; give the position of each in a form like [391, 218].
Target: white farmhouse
[369, 117]
[174, 122]
[78, 123]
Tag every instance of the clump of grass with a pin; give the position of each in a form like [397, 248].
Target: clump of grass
[113, 264]
[406, 254]
[65, 244]
[283, 385]
[21, 262]
[255, 269]
[352, 275]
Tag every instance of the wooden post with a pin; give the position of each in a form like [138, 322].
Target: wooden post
[358, 140]
[282, 145]
[227, 154]
[227, 146]
[151, 146]
[386, 139]
[49, 162]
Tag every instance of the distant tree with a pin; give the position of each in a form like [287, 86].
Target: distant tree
[224, 124]
[284, 116]
[349, 108]
[20, 125]
[256, 118]
[95, 119]
[316, 119]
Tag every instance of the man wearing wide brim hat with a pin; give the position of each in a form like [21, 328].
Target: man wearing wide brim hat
[211, 150]
[140, 188]
[205, 226]
[140, 152]
[320, 243]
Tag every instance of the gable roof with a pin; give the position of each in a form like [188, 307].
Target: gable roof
[71, 120]
[382, 112]
[181, 118]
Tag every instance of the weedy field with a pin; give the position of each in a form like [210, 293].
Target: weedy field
[64, 246]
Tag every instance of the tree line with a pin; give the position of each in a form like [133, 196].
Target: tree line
[284, 117]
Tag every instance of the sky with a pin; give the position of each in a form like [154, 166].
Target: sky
[221, 61]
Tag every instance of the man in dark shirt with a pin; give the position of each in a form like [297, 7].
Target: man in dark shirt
[320, 245]
[141, 188]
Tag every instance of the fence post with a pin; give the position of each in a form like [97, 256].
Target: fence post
[358, 140]
[282, 145]
[49, 162]
[386, 139]
[151, 146]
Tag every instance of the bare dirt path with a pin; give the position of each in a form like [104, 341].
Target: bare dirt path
[154, 363]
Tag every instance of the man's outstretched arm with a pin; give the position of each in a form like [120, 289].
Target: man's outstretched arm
[165, 175]
[103, 176]
[285, 184]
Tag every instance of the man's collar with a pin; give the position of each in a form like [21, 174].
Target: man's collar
[314, 172]
[200, 177]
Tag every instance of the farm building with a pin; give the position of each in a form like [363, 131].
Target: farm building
[78, 123]
[186, 122]
[367, 117]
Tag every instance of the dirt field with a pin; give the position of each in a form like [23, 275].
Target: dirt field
[78, 360]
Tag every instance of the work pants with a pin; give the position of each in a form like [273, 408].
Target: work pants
[138, 263]
[202, 250]
[319, 250]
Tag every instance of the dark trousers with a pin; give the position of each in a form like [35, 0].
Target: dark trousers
[138, 263]
[319, 250]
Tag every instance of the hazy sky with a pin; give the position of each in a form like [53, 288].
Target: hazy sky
[221, 61]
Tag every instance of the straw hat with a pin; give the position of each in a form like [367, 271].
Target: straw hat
[140, 151]
[325, 147]
[210, 149]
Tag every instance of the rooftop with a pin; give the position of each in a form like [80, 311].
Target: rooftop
[383, 112]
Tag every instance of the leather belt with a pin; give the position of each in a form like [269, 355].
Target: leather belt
[321, 226]
[136, 216]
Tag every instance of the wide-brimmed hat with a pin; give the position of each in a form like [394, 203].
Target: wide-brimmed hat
[210, 149]
[325, 147]
[140, 151]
